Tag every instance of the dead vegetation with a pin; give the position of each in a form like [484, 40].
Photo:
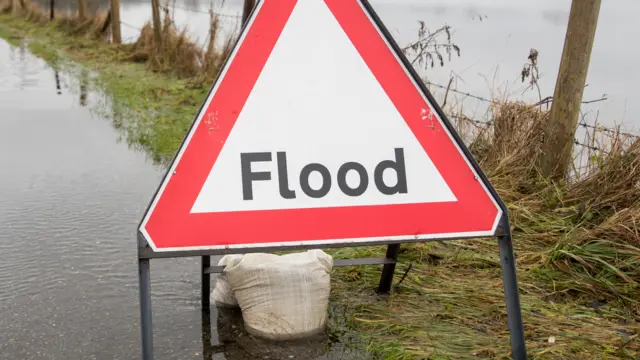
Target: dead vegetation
[577, 248]
[177, 54]
[586, 226]
[92, 25]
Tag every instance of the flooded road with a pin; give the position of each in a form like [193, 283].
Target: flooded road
[71, 195]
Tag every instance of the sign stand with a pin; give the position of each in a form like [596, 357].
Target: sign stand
[392, 108]
[144, 272]
[388, 269]
[206, 282]
[510, 285]
[509, 279]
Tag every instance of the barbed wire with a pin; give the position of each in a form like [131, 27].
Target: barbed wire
[590, 147]
[130, 26]
[487, 124]
[448, 88]
[466, 118]
[610, 131]
[458, 91]
[236, 16]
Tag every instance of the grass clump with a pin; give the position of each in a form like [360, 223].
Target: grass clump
[177, 54]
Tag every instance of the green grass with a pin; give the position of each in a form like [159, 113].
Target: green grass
[7, 33]
[451, 306]
[154, 110]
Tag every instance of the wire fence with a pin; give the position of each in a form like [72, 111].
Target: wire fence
[130, 26]
[487, 124]
[197, 11]
[595, 128]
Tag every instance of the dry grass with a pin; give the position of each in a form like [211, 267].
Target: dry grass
[577, 247]
[176, 54]
[92, 25]
[588, 226]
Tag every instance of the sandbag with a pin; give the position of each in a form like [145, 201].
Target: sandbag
[282, 297]
[222, 293]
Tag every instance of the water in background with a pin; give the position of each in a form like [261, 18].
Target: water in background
[495, 37]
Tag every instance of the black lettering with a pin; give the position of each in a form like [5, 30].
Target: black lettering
[342, 179]
[398, 165]
[283, 177]
[248, 177]
[326, 180]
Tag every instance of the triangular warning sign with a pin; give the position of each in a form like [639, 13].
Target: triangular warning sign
[318, 132]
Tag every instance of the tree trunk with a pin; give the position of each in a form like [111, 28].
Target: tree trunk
[115, 22]
[565, 110]
[157, 26]
[82, 9]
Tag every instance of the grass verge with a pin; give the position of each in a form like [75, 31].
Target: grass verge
[577, 243]
[154, 109]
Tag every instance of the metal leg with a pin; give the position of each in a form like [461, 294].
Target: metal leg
[388, 269]
[510, 283]
[207, 350]
[144, 272]
[206, 284]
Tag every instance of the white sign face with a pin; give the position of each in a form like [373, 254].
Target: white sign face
[317, 132]
[323, 107]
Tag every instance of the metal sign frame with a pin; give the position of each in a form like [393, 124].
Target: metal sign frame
[502, 233]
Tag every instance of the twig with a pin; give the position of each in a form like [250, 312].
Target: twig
[426, 49]
[444, 103]
[405, 274]
[549, 99]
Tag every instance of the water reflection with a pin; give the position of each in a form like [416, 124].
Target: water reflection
[57, 75]
[84, 79]
[72, 196]
[233, 342]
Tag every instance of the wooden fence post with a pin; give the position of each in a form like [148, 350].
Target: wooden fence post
[565, 109]
[157, 26]
[82, 9]
[15, 7]
[52, 6]
[115, 22]
[248, 7]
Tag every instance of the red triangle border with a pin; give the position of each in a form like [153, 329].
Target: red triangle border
[169, 226]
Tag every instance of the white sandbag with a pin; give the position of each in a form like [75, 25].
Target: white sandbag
[282, 297]
[222, 293]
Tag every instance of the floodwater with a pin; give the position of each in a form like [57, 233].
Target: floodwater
[71, 195]
[494, 36]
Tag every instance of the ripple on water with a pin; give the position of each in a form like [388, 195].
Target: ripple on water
[71, 196]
